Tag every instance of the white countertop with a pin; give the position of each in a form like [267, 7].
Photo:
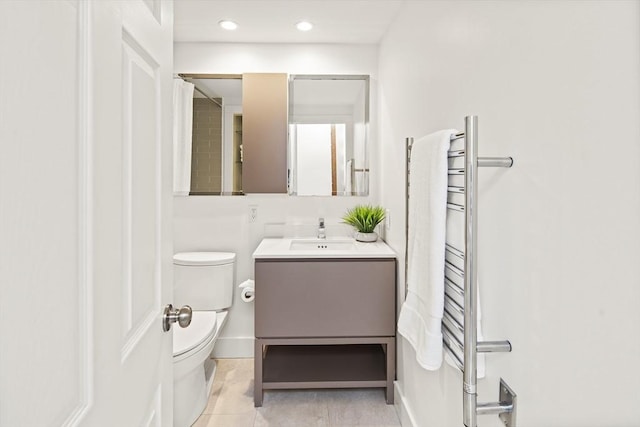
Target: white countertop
[282, 248]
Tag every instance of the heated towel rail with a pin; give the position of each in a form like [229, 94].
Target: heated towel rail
[461, 302]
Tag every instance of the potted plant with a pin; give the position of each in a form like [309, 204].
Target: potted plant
[365, 218]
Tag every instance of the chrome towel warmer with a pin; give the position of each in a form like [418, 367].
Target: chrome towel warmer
[464, 354]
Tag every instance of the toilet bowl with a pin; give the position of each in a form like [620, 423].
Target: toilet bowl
[203, 280]
[193, 368]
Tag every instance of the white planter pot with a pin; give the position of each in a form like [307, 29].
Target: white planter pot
[366, 237]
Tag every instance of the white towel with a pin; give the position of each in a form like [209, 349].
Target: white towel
[421, 314]
[347, 176]
[182, 135]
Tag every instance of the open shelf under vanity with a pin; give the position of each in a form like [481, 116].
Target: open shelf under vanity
[324, 366]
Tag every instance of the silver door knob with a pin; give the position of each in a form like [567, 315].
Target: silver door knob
[172, 315]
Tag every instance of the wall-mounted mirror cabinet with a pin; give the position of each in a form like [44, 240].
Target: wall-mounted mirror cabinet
[266, 133]
[328, 133]
[214, 154]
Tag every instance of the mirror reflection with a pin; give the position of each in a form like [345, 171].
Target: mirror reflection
[208, 135]
[327, 143]
[328, 127]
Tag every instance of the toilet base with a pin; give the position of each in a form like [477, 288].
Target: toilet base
[191, 394]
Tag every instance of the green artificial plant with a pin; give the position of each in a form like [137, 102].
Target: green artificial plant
[364, 217]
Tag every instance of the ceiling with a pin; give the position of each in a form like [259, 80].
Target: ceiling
[273, 21]
[228, 89]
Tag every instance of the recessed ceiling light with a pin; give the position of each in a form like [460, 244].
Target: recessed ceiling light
[304, 26]
[228, 25]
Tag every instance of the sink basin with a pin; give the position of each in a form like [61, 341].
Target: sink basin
[312, 248]
[321, 245]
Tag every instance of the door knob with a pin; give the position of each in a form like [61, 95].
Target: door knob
[172, 315]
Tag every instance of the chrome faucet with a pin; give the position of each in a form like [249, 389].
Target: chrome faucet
[321, 230]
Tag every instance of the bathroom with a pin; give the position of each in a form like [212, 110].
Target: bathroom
[559, 231]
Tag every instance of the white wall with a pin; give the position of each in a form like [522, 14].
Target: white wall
[221, 222]
[238, 58]
[556, 85]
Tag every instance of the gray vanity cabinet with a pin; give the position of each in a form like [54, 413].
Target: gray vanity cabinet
[325, 323]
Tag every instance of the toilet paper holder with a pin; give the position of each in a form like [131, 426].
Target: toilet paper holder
[247, 290]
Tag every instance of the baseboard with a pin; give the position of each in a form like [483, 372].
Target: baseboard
[404, 413]
[233, 348]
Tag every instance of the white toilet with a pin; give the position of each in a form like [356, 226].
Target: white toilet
[204, 281]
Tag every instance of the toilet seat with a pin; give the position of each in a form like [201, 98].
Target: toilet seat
[204, 258]
[198, 334]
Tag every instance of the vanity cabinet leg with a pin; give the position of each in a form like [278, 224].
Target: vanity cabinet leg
[257, 373]
[391, 368]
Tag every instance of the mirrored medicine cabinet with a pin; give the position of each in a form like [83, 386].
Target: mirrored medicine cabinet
[328, 133]
[305, 135]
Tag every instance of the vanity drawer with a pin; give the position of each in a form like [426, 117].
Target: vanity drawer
[325, 298]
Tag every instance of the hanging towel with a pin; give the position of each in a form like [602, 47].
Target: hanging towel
[347, 176]
[421, 314]
[182, 135]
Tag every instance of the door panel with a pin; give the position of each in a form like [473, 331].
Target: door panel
[45, 311]
[140, 191]
[85, 209]
[264, 132]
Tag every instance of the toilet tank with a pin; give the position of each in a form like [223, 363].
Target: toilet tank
[203, 280]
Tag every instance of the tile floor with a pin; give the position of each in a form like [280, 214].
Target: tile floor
[231, 404]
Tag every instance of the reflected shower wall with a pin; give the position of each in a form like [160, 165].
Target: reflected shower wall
[206, 159]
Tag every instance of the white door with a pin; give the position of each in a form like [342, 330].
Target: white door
[85, 210]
